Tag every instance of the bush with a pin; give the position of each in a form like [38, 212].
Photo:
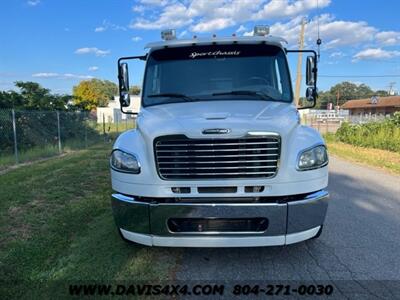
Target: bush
[382, 135]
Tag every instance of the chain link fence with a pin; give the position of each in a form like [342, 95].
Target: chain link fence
[31, 135]
[330, 121]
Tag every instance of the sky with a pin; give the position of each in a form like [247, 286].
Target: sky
[58, 43]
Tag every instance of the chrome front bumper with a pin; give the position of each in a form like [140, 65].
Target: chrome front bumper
[291, 222]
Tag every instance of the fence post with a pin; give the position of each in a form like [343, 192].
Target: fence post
[86, 125]
[15, 136]
[59, 132]
[104, 125]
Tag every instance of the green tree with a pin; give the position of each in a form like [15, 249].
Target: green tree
[381, 93]
[134, 90]
[344, 91]
[10, 99]
[32, 95]
[89, 94]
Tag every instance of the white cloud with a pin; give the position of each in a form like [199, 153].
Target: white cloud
[375, 53]
[45, 75]
[33, 2]
[92, 50]
[61, 76]
[286, 8]
[212, 25]
[241, 29]
[138, 8]
[211, 16]
[93, 68]
[154, 2]
[206, 15]
[100, 29]
[334, 33]
[108, 25]
[388, 38]
[136, 39]
[173, 16]
[75, 76]
[337, 54]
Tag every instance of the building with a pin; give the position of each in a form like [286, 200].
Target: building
[373, 106]
[112, 113]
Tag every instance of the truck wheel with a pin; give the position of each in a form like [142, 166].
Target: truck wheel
[318, 233]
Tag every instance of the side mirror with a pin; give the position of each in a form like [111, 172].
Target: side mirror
[310, 100]
[311, 94]
[311, 71]
[123, 77]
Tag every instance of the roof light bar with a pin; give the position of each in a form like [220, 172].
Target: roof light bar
[169, 34]
[261, 30]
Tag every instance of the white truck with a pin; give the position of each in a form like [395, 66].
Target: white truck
[218, 157]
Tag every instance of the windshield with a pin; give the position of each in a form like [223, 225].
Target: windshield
[217, 72]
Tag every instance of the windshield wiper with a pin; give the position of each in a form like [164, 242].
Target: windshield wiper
[172, 95]
[245, 92]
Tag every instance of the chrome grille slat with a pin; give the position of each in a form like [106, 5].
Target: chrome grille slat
[217, 150]
[178, 157]
[230, 173]
[221, 168]
[222, 140]
[213, 144]
[235, 155]
[217, 162]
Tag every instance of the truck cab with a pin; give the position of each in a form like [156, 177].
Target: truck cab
[218, 157]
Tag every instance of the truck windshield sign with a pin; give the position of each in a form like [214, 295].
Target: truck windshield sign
[214, 53]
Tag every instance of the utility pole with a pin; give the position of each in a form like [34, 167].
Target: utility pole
[337, 97]
[391, 88]
[299, 61]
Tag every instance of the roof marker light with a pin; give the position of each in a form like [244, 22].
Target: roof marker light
[261, 30]
[169, 34]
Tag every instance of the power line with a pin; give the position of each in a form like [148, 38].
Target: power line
[360, 76]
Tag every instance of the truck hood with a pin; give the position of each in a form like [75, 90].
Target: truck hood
[239, 117]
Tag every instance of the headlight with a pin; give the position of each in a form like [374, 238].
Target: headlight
[313, 158]
[124, 162]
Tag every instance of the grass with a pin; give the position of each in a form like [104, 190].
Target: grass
[57, 227]
[49, 150]
[383, 159]
[121, 126]
[44, 151]
[28, 155]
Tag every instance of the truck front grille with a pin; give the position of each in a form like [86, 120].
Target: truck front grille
[178, 157]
